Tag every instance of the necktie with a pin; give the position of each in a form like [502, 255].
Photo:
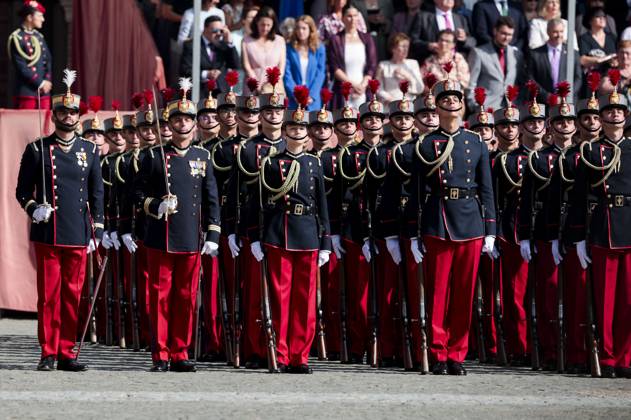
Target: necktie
[554, 67]
[504, 7]
[448, 24]
[502, 57]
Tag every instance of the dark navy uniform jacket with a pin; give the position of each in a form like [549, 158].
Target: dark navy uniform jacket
[73, 182]
[29, 74]
[332, 185]
[132, 217]
[222, 154]
[534, 194]
[611, 214]
[299, 219]
[460, 204]
[508, 173]
[191, 179]
[243, 184]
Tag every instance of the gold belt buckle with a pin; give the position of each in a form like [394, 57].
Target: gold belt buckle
[619, 201]
[298, 209]
[404, 201]
[454, 193]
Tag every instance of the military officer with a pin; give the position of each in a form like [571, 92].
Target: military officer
[425, 116]
[207, 123]
[457, 224]
[295, 236]
[31, 59]
[65, 204]
[93, 128]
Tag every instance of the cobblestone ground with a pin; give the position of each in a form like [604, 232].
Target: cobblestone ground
[118, 385]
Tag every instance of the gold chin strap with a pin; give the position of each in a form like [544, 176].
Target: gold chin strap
[444, 157]
[514, 184]
[290, 182]
[612, 166]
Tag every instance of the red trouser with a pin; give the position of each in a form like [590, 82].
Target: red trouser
[452, 269]
[292, 281]
[173, 294]
[330, 286]
[611, 273]
[388, 304]
[211, 309]
[575, 308]
[60, 277]
[142, 292]
[253, 339]
[30, 102]
[357, 276]
[414, 300]
[514, 288]
[547, 301]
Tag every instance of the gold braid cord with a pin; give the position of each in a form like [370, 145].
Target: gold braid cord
[612, 166]
[435, 164]
[105, 160]
[514, 184]
[562, 159]
[370, 171]
[396, 163]
[242, 146]
[212, 157]
[31, 59]
[116, 170]
[290, 182]
[340, 164]
[546, 180]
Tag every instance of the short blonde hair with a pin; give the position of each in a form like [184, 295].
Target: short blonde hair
[542, 4]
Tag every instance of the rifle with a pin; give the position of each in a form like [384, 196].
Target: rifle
[372, 293]
[320, 325]
[266, 309]
[225, 314]
[198, 319]
[592, 327]
[421, 288]
[237, 318]
[532, 289]
[133, 282]
[560, 292]
[479, 312]
[121, 301]
[91, 291]
[109, 301]
[502, 360]
[408, 363]
[342, 277]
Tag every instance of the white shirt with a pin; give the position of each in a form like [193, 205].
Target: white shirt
[355, 61]
[498, 4]
[626, 34]
[186, 25]
[440, 19]
[304, 63]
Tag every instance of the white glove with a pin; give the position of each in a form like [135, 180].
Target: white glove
[392, 244]
[93, 245]
[233, 245]
[524, 249]
[556, 253]
[42, 213]
[496, 252]
[129, 243]
[581, 251]
[210, 248]
[115, 241]
[323, 257]
[366, 250]
[336, 241]
[167, 206]
[416, 251]
[489, 245]
[255, 247]
[107, 242]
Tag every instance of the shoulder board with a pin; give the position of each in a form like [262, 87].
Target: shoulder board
[474, 133]
[15, 34]
[35, 145]
[204, 149]
[94, 147]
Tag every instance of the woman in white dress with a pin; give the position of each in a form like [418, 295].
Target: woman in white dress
[391, 72]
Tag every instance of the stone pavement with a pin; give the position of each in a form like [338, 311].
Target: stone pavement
[118, 385]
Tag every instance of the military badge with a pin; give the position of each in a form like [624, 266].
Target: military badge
[182, 106]
[298, 115]
[593, 104]
[534, 109]
[322, 116]
[347, 113]
[118, 122]
[614, 98]
[149, 117]
[274, 99]
[483, 118]
[375, 106]
[95, 124]
[509, 113]
[82, 159]
[251, 102]
[133, 120]
[564, 109]
[198, 167]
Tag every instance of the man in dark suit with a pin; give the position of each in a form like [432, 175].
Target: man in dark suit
[547, 64]
[425, 31]
[218, 54]
[486, 13]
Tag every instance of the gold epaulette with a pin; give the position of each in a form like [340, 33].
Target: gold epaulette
[473, 132]
[204, 149]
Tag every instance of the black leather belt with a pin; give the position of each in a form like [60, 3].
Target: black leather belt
[297, 209]
[456, 193]
[616, 200]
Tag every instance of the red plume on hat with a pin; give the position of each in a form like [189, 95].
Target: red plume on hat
[593, 81]
[404, 86]
[137, 100]
[116, 104]
[373, 86]
[273, 76]
[232, 78]
[533, 90]
[301, 93]
[614, 77]
[429, 79]
[95, 103]
[211, 85]
[34, 5]
[512, 92]
[167, 95]
[479, 94]
[148, 95]
[252, 84]
[83, 108]
[563, 90]
[346, 90]
[448, 67]
[553, 100]
[490, 110]
[325, 96]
